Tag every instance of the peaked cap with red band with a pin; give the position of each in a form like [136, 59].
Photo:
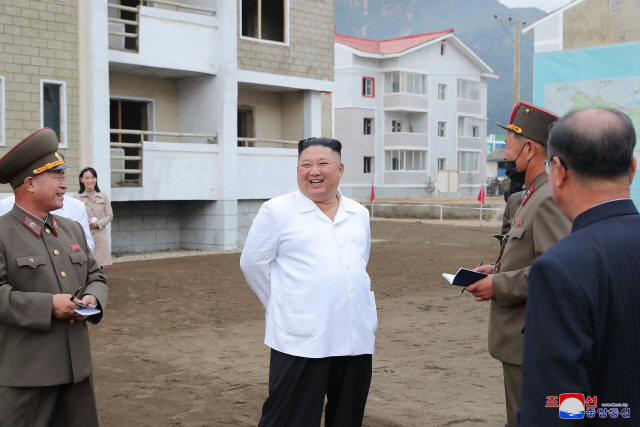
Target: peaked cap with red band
[532, 122]
[35, 154]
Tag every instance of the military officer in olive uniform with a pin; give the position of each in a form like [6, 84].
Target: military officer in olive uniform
[45, 359]
[513, 204]
[537, 225]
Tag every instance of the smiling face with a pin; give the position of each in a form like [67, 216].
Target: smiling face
[319, 173]
[89, 181]
[49, 189]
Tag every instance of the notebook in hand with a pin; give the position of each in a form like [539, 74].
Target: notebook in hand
[464, 277]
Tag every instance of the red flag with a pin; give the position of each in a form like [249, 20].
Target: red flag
[373, 193]
[481, 195]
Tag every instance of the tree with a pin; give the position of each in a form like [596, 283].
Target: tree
[429, 186]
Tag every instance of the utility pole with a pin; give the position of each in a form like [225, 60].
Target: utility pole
[516, 58]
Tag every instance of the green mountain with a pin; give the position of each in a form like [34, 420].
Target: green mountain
[473, 22]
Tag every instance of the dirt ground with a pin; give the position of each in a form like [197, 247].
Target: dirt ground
[181, 343]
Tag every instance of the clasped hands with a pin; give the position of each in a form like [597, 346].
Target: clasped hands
[63, 306]
[482, 290]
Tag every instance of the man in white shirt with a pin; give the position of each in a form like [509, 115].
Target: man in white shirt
[305, 258]
[72, 208]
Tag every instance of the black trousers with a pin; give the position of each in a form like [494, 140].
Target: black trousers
[298, 385]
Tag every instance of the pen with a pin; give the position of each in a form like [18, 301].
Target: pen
[463, 288]
[76, 294]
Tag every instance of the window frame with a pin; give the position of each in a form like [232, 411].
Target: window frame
[373, 87]
[443, 48]
[365, 126]
[368, 164]
[442, 89]
[475, 131]
[286, 31]
[444, 163]
[395, 124]
[402, 83]
[63, 143]
[402, 160]
[444, 133]
[3, 123]
[475, 159]
[459, 91]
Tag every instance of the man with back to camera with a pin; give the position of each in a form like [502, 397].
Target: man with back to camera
[46, 269]
[538, 224]
[582, 329]
[305, 258]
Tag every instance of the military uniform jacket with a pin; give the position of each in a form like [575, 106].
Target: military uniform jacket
[36, 261]
[536, 227]
[513, 204]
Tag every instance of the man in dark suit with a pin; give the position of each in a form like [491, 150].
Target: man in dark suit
[582, 328]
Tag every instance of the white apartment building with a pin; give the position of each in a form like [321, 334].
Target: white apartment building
[190, 110]
[405, 108]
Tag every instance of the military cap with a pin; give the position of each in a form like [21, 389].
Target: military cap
[532, 122]
[35, 154]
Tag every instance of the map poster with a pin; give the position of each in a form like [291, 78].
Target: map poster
[621, 93]
[607, 75]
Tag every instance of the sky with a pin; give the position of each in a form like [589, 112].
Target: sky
[546, 5]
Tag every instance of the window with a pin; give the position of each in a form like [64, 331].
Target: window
[368, 87]
[398, 160]
[53, 108]
[442, 92]
[3, 139]
[405, 83]
[614, 5]
[468, 90]
[245, 127]
[368, 126]
[442, 47]
[129, 114]
[442, 164]
[442, 129]
[475, 131]
[468, 161]
[464, 126]
[367, 164]
[264, 19]
[396, 126]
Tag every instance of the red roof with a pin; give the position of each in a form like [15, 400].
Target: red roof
[389, 46]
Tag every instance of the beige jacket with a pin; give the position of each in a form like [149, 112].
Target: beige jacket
[100, 208]
[536, 227]
[38, 260]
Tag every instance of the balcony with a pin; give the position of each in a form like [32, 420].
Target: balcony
[169, 167]
[466, 106]
[405, 102]
[267, 169]
[174, 42]
[470, 142]
[406, 139]
[266, 143]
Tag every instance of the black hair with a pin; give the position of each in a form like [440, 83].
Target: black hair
[93, 171]
[333, 144]
[602, 150]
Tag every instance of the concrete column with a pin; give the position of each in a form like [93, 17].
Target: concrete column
[226, 89]
[312, 114]
[93, 62]
[93, 91]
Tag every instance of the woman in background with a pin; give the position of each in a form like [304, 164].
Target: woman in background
[99, 213]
